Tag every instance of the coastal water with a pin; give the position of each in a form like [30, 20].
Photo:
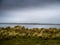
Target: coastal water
[31, 26]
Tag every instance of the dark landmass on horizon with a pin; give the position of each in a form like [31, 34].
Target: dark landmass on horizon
[32, 23]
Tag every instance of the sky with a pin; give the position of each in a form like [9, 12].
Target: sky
[30, 11]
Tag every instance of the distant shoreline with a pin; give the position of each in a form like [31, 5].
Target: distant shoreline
[32, 23]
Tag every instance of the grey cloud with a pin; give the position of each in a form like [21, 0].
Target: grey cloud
[51, 12]
[37, 15]
[25, 3]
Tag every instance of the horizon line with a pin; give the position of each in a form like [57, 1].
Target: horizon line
[33, 23]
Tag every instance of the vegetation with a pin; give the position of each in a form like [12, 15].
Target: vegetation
[19, 35]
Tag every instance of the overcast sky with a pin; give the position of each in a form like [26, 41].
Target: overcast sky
[30, 11]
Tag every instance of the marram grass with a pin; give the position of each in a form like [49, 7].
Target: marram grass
[19, 35]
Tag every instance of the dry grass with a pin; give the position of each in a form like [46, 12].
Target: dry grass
[19, 35]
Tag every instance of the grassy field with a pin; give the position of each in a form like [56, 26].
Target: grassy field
[19, 35]
[29, 41]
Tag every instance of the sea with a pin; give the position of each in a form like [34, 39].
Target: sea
[30, 26]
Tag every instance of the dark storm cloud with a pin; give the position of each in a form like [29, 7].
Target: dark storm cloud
[25, 3]
[0, 2]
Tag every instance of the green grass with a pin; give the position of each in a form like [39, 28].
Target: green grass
[29, 41]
